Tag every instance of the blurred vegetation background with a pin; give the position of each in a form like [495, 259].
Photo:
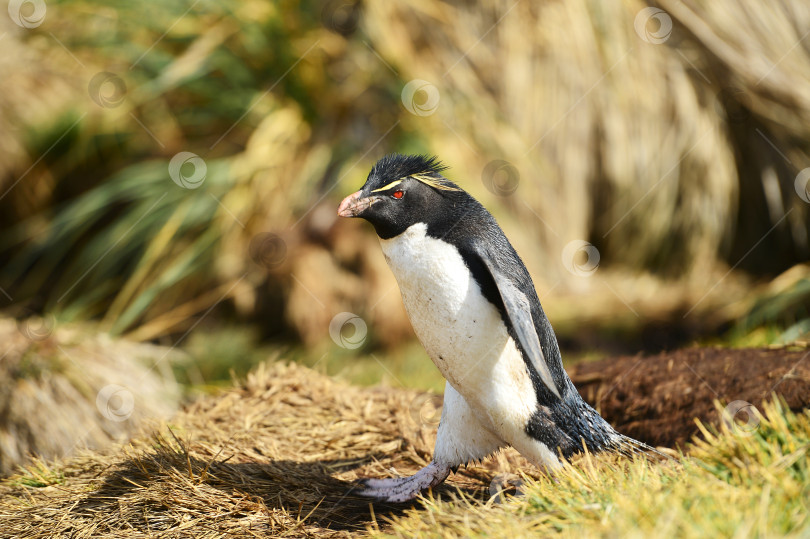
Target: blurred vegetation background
[667, 143]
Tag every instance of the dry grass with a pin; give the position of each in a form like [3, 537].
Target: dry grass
[274, 456]
[277, 455]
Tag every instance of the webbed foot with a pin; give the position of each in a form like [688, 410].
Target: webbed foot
[403, 489]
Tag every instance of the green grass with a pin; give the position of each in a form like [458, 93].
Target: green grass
[733, 484]
[39, 475]
[408, 366]
[218, 355]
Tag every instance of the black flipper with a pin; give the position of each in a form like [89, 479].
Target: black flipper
[519, 312]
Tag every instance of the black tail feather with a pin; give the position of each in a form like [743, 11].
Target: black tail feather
[630, 447]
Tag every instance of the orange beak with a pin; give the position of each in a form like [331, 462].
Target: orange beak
[353, 205]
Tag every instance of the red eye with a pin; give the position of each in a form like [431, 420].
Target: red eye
[398, 194]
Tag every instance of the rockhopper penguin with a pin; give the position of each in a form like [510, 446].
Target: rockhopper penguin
[473, 306]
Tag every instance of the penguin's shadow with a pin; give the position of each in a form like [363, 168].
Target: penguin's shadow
[306, 491]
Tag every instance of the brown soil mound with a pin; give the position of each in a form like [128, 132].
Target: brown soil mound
[656, 399]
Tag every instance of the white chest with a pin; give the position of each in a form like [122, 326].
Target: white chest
[462, 332]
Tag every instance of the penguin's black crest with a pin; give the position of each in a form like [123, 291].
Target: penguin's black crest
[396, 166]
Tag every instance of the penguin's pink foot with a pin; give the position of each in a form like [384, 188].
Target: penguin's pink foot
[403, 489]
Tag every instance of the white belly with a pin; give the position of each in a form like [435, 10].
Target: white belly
[461, 331]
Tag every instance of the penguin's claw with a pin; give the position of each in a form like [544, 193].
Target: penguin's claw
[403, 489]
[503, 483]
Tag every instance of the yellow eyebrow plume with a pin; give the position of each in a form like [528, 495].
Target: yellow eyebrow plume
[422, 177]
[389, 186]
[436, 183]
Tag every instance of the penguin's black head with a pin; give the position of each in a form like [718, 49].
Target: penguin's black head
[402, 190]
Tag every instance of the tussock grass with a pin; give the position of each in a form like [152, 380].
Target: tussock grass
[661, 155]
[276, 456]
[65, 388]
